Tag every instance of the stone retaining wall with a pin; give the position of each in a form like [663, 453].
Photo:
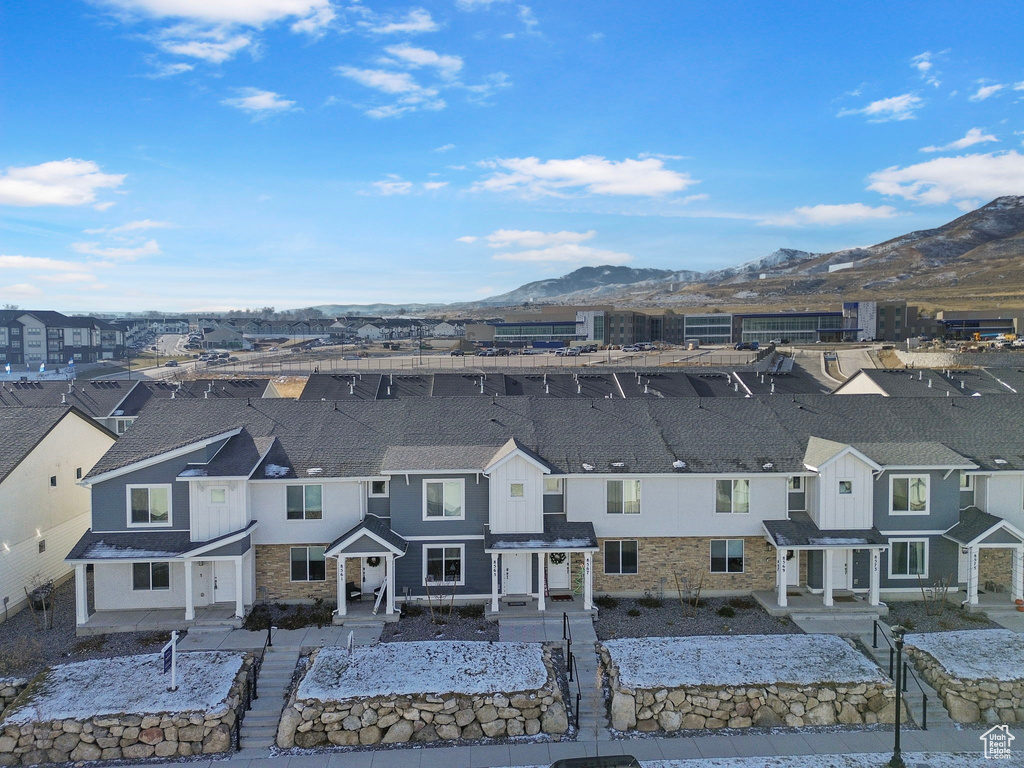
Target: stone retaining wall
[960, 359]
[127, 737]
[697, 707]
[10, 687]
[972, 701]
[423, 717]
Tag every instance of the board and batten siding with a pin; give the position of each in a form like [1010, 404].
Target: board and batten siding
[209, 520]
[523, 514]
[676, 506]
[343, 507]
[836, 511]
[1004, 498]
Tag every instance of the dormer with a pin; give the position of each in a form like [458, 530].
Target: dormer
[844, 496]
[516, 477]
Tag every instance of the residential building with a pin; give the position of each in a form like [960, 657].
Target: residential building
[43, 510]
[225, 337]
[495, 499]
[44, 337]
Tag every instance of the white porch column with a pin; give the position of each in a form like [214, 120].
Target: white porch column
[826, 578]
[81, 595]
[190, 604]
[239, 596]
[342, 592]
[541, 579]
[1017, 578]
[973, 559]
[588, 581]
[494, 582]
[781, 575]
[390, 575]
[875, 577]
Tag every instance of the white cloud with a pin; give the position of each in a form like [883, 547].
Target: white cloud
[393, 187]
[529, 20]
[132, 226]
[104, 206]
[894, 108]
[415, 21]
[831, 215]
[986, 91]
[382, 79]
[432, 185]
[258, 102]
[170, 70]
[20, 289]
[149, 248]
[589, 174]
[526, 238]
[40, 263]
[213, 51]
[472, 5]
[924, 63]
[58, 182]
[571, 253]
[444, 148]
[972, 137]
[68, 277]
[954, 179]
[411, 56]
[253, 13]
[466, 239]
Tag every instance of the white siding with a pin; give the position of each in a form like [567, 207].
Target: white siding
[113, 588]
[343, 503]
[1004, 498]
[676, 506]
[516, 515]
[212, 520]
[861, 385]
[853, 511]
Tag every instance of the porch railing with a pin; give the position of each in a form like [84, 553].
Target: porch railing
[879, 629]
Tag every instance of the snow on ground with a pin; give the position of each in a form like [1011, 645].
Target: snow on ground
[424, 667]
[672, 662]
[130, 685]
[862, 760]
[975, 654]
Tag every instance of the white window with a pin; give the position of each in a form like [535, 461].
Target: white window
[908, 558]
[796, 484]
[516, 490]
[442, 565]
[122, 425]
[846, 487]
[149, 505]
[218, 495]
[151, 576]
[308, 564]
[727, 555]
[732, 496]
[966, 482]
[378, 488]
[305, 502]
[623, 497]
[444, 499]
[552, 485]
[909, 494]
[621, 557]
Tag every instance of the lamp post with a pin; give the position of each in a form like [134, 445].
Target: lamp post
[897, 755]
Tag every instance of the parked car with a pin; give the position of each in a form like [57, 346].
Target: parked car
[488, 353]
[171, 364]
[457, 353]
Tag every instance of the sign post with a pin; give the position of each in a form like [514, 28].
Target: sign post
[170, 654]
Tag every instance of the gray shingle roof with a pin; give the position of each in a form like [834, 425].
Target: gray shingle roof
[557, 536]
[401, 458]
[96, 398]
[801, 531]
[921, 454]
[972, 524]
[136, 545]
[377, 526]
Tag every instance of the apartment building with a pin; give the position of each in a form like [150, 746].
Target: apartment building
[35, 337]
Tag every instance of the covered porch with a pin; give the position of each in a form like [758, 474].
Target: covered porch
[832, 551]
[375, 545]
[532, 572]
[979, 532]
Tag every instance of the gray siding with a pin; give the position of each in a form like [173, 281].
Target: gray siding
[554, 504]
[943, 555]
[380, 507]
[239, 547]
[798, 502]
[861, 569]
[407, 507]
[943, 504]
[815, 561]
[477, 565]
[109, 499]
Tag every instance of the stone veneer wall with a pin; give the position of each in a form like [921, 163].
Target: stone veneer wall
[971, 701]
[697, 707]
[996, 565]
[127, 737]
[274, 571]
[10, 687]
[395, 719]
[665, 556]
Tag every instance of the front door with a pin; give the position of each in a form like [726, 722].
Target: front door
[558, 573]
[373, 575]
[793, 568]
[223, 581]
[841, 569]
[516, 578]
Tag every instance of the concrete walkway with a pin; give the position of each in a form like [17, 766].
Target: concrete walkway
[311, 637]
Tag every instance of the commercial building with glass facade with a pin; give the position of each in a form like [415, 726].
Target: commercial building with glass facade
[708, 329]
[791, 327]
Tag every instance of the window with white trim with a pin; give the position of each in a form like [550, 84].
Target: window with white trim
[378, 489]
[966, 482]
[908, 558]
[516, 490]
[552, 485]
[732, 496]
[846, 487]
[149, 505]
[218, 495]
[444, 499]
[727, 556]
[151, 576]
[796, 484]
[623, 497]
[908, 494]
[621, 558]
[308, 564]
[443, 565]
[305, 502]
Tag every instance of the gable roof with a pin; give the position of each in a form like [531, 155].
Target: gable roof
[376, 529]
[24, 428]
[98, 399]
[975, 524]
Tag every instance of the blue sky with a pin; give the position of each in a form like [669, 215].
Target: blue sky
[219, 154]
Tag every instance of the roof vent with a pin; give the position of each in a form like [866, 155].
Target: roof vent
[588, 467]
[618, 464]
[677, 464]
[315, 471]
[767, 465]
[999, 461]
[976, 394]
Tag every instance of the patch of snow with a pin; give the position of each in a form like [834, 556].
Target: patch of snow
[424, 667]
[836, 540]
[975, 654]
[131, 685]
[275, 470]
[192, 473]
[544, 544]
[102, 549]
[673, 662]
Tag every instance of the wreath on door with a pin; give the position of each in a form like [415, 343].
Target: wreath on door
[373, 562]
[557, 558]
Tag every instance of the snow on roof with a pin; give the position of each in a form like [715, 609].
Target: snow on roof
[105, 550]
[130, 684]
[424, 667]
[672, 662]
[543, 544]
[275, 470]
[196, 472]
[975, 654]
